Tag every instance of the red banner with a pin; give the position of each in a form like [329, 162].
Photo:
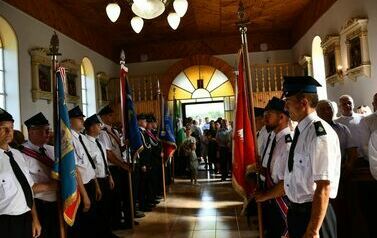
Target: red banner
[243, 144]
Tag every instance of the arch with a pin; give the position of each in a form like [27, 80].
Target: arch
[183, 64]
[88, 88]
[319, 66]
[11, 74]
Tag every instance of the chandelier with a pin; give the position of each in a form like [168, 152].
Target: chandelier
[149, 9]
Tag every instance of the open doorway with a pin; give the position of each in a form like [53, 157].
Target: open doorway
[200, 110]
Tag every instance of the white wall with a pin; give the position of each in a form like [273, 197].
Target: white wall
[33, 33]
[160, 67]
[331, 22]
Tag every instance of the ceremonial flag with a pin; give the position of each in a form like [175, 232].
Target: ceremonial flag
[167, 132]
[243, 149]
[64, 167]
[131, 127]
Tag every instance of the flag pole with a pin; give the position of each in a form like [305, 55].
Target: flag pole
[242, 23]
[123, 101]
[54, 53]
[162, 112]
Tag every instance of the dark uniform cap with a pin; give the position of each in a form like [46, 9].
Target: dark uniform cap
[91, 121]
[105, 110]
[258, 111]
[141, 116]
[5, 116]
[151, 118]
[36, 121]
[295, 84]
[276, 104]
[75, 112]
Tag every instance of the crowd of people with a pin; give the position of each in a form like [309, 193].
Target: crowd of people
[316, 167]
[106, 173]
[209, 143]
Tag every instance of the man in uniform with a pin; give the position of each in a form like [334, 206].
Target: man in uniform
[88, 186]
[18, 215]
[93, 128]
[120, 210]
[273, 168]
[313, 169]
[39, 158]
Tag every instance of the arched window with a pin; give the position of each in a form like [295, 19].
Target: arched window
[319, 66]
[2, 81]
[9, 78]
[88, 92]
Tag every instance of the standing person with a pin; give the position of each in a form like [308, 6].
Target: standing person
[39, 159]
[88, 186]
[18, 215]
[223, 141]
[118, 167]
[312, 173]
[106, 183]
[189, 146]
[275, 202]
[206, 124]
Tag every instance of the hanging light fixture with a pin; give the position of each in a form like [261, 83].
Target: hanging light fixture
[174, 20]
[180, 7]
[137, 24]
[149, 9]
[113, 11]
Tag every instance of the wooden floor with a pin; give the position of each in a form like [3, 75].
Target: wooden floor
[208, 210]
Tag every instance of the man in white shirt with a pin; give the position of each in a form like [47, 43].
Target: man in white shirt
[39, 158]
[88, 186]
[18, 215]
[103, 175]
[313, 170]
[273, 167]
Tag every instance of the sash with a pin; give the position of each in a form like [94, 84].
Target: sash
[43, 158]
[281, 202]
[154, 140]
[114, 136]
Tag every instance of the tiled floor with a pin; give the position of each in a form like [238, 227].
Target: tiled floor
[208, 210]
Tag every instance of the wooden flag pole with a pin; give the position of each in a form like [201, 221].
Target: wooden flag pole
[54, 53]
[123, 98]
[242, 23]
[162, 111]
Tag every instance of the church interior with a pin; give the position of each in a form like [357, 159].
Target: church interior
[190, 60]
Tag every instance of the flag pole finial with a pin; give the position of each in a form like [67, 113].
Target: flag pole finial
[158, 87]
[122, 57]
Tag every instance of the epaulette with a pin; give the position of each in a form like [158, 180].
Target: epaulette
[288, 138]
[319, 129]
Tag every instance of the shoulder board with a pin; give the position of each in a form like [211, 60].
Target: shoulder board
[319, 129]
[288, 138]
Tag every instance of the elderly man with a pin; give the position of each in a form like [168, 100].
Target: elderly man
[312, 173]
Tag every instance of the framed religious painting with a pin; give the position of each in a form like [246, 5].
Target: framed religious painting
[72, 70]
[355, 33]
[333, 64]
[41, 88]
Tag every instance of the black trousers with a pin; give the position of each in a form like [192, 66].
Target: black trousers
[103, 208]
[299, 217]
[273, 220]
[48, 217]
[224, 162]
[85, 223]
[16, 226]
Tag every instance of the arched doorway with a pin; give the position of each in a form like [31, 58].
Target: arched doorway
[201, 91]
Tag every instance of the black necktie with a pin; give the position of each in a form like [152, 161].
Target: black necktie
[87, 153]
[292, 149]
[271, 152]
[265, 148]
[21, 179]
[103, 157]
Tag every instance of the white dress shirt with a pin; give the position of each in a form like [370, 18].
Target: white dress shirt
[359, 132]
[109, 142]
[97, 156]
[279, 155]
[82, 161]
[39, 172]
[373, 154]
[12, 198]
[262, 140]
[316, 157]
